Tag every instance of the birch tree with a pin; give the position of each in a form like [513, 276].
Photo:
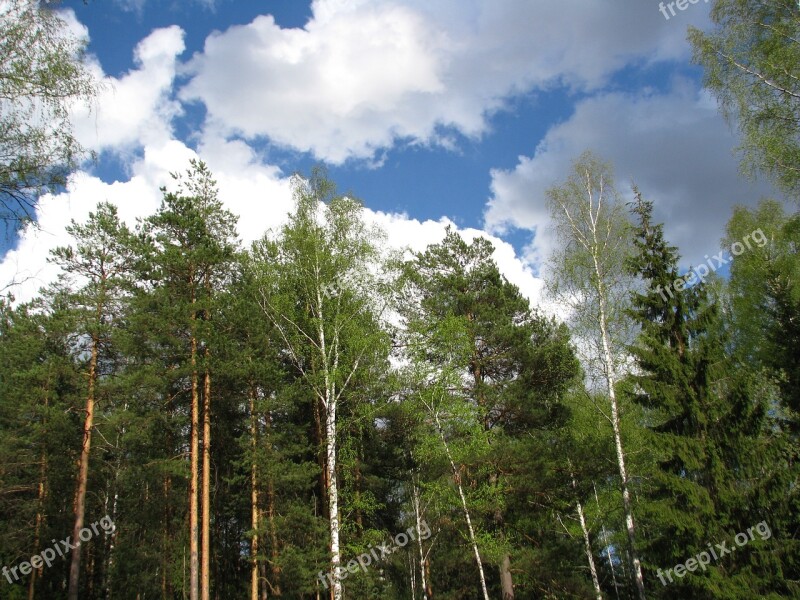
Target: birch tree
[751, 57]
[321, 294]
[42, 75]
[587, 275]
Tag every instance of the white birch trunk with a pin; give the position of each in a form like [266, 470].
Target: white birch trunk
[457, 479]
[587, 544]
[418, 526]
[623, 474]
[610, 375]
[588, 547]
[333, 499]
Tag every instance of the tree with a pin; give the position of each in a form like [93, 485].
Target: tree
[765, 293]
[587, 274]
[324, 301]
[102, 258]
[490, 373]
[751, 63]
[39, 388]
[193, 243]
[709, 430]
[42, 75]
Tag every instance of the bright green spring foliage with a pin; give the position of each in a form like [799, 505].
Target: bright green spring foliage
[42, 76]
[752, 64]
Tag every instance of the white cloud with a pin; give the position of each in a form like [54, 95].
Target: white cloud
[674, 145]
[257, 193]
[136, 109]
[362, 75]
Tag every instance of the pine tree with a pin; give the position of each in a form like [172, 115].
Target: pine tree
[193, 243]
[466, 323]
[103, 260]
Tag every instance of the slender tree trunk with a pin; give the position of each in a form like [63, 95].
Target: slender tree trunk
[457, 478]
[333, 496]
[506, 581]
[428, 578]
[253, 499]
[205, 573]
[626, 497]
[587, 544]
[610, 373]
[194, 562]
[264, 588]
[412, 579]
[418, 526]
[83, 474]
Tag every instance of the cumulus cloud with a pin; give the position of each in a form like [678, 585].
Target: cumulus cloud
[136, 109]
[259, 194]
[673, 145]
[363, 75]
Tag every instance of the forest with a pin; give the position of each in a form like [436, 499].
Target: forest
[318, 415]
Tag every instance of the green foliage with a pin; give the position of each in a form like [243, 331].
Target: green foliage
[484, 390]
[708, 425]
[468, 391]
[42, 75]
[751, 60]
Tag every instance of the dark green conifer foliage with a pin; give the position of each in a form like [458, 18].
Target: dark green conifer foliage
[467, 323]
[703, 422]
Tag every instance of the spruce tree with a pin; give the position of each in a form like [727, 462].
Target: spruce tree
[703, 424]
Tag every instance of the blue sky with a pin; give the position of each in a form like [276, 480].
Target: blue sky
[460, 111]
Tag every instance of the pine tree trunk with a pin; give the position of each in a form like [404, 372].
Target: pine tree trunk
[506, 581]
[194, 562]
[83, 474]
[205, 574]
[427, 570]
